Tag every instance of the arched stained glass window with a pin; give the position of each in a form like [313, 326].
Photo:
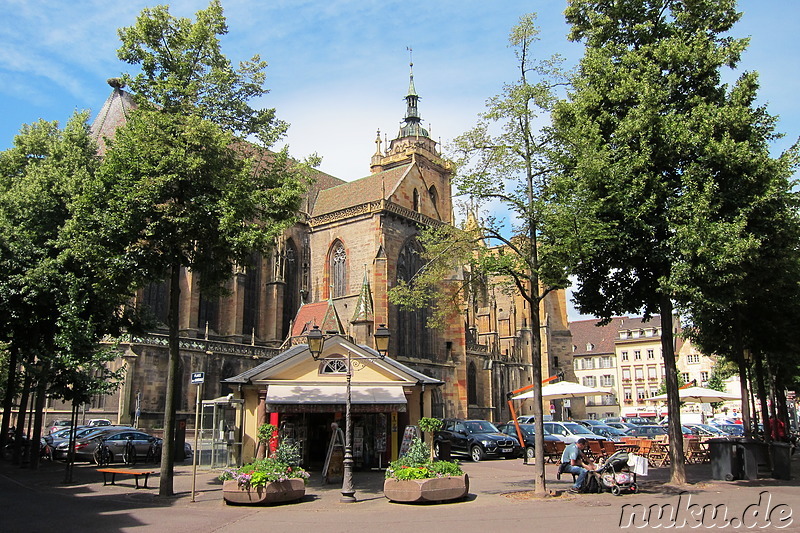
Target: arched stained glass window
[338, 269]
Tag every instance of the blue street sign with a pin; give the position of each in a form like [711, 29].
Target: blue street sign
[198, 377]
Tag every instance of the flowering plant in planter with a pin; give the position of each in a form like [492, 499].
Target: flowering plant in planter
[417, 464]
[284, 465]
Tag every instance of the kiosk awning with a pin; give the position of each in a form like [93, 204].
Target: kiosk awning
[283, 396]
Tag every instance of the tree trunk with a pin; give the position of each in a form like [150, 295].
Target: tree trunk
[677, 472]
[165, 486]
[38, 418]
[71, 449]
[16, 456]
[8, 400]
[540, 487]
[739, 354]
[762, 398]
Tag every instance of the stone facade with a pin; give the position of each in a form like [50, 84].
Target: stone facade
[351, 236]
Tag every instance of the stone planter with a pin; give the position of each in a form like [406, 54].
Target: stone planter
[273, 492]
[438, 489]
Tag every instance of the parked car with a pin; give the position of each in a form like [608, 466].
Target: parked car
[116, 440]
[654, 430]
[478, 439]
[624, 426]
[56, 425]
[609, 432]
[732, 430]
[530, 419]
[705, 431]
[570, 432]
[94, 422]
[528, 433]
[588, 423]
[61, 447]
[641, 420]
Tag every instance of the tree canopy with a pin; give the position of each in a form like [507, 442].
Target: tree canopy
[664, 162]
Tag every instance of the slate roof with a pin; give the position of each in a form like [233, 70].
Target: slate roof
[112, 115]
[120, 103]
[368, 189]
[601, 337]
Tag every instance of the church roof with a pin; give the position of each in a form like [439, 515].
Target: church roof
[322, 314]
[363, 312]
[591, 339]
[375, 187]
[112, 115]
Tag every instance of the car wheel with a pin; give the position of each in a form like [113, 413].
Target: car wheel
[615, 490]
[476, 453]
[530, 452]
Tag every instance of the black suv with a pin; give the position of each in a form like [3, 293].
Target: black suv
[477, 438]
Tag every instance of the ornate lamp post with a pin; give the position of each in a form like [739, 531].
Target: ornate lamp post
[315, 342]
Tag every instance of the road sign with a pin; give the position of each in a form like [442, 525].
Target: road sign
[198, 377]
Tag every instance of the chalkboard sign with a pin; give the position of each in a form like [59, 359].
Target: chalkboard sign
[408, 435]
[333, 471]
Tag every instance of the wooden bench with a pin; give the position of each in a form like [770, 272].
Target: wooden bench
[135, 473]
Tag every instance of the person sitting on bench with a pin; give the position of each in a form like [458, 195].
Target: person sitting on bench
[573, 461]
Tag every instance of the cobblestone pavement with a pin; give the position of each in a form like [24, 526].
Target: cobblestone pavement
[500, 498]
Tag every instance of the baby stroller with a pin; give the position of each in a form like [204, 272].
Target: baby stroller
[615, 476]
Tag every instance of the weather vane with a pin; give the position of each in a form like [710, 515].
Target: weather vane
[410, 55]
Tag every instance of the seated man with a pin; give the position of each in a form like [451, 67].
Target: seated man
[575, 462]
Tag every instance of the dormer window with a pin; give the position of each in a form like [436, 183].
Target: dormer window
[589, 346]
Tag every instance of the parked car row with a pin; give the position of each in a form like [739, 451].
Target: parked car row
[116, 438]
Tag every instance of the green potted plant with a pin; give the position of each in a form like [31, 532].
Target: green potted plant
[264, 434]
[269, 480]
[416, 477]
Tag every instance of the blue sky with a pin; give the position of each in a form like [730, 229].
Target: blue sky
[339, 69]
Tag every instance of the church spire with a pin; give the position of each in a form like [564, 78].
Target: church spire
[412, 126]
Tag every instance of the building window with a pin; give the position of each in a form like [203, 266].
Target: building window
[641, 394]
[626, 374]
[416, 200]
[291, 293]
[338, 270]
[472, 384]
[589, 346]
[685, 376]
[650, 354]
[635, 333]
[434, 196]
[637, 355]
[414, 337]
[704, 377]
[639, 373]
[624, 356]
[336, 365]
[623, 334]
[607, 380]
[252, 292]
[652, 372]
[693, 358]
[627, 395]
[605, 362]
[589, 381]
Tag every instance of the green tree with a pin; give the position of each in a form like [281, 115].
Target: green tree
[663, 160]
[504, 159]
[177, 189]
[54, 312]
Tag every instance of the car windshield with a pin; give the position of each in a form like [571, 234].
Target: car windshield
[530, 429]
[609, 430]
[480, 426]
[577, 429]
[710, 429]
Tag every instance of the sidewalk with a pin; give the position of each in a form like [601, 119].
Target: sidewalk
[500, 497]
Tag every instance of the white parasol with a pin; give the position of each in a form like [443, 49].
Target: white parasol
[562, 389]
[699, 395]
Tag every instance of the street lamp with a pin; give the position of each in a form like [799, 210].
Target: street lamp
[315, 340]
